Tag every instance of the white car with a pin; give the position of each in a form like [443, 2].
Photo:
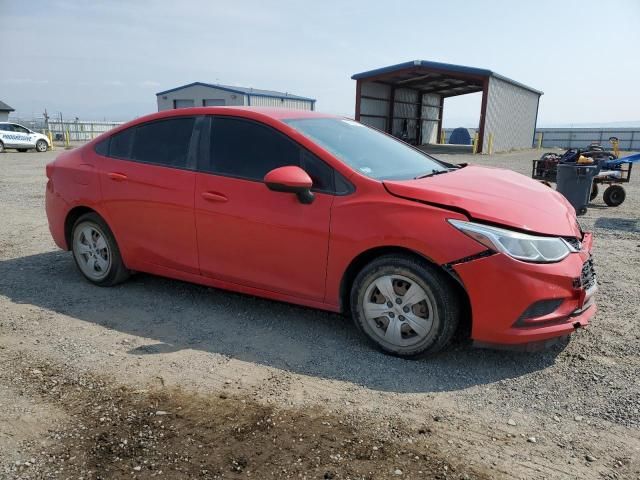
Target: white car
[21, 138]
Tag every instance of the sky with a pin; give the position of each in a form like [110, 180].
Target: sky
[101, 59]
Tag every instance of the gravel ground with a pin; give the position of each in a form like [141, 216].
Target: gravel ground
[569, 412]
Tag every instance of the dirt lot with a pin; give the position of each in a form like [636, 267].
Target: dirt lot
[160, 378]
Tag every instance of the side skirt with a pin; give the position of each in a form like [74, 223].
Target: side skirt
[233, 287]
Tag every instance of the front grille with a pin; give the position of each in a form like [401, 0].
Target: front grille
[588, 275]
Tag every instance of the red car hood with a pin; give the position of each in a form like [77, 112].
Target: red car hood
[497, 196]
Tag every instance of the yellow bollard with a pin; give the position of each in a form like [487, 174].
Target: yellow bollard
[50, 136]
[66, 138]
[475, 143]
[616, 146]
[443, 137]
[539, 140]
[490, 143]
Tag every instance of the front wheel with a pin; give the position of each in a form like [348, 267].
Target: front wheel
[41, 146]
[594, 192]
[96, 252]
[405, 306]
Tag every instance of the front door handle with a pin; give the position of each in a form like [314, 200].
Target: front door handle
[118, 177]
[214, 197]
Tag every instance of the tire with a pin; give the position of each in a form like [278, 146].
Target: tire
[1, 147]
[614, 195]
[96, 252]
[594, 192]
[435, 318]
[22, 150]
[41, 146]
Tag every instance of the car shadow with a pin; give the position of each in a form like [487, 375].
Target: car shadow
[179, 315]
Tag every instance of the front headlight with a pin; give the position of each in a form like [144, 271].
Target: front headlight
[528, 248]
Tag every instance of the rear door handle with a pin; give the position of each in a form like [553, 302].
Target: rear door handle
[118, 177]
[214, 197]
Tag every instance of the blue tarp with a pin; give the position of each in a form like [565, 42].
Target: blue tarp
[628, 159]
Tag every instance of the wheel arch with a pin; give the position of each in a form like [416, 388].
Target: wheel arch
[72, 216]
[367, 256]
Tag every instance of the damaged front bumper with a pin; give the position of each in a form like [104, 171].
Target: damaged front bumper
[522, 305]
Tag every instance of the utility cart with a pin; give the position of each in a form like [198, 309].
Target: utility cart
[612, 172]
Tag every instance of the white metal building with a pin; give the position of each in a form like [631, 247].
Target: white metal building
[5, 110]
[200, 94]
[407, 100]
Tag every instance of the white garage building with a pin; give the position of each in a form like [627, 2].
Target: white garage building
[200, 94]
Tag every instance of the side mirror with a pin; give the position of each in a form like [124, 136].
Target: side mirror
[290, 179]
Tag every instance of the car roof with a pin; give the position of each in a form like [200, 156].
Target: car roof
[279, 113]
[254, 113]
[246, 112]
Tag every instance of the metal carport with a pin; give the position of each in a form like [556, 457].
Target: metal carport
[407, 101]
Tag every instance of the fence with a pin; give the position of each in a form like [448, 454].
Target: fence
[628, 138]
[78, 130]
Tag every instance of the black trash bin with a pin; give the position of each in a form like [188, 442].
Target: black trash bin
[574, 182]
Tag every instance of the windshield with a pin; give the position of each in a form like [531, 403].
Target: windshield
[366, 150]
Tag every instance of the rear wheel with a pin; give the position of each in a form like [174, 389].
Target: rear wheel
[614, 195]
[41, 146]
[96, 252]
[594, 191]
[405, 306]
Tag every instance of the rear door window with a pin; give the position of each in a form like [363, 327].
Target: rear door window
[120, 144]
[163, 142]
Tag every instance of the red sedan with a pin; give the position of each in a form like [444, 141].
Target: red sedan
[323, 211]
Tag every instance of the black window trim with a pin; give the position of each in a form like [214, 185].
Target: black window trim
[204, 159]
[192, 153]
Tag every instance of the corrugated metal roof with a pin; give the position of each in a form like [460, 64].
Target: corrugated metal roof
[243, 91]
[440, 67]
[5, 108]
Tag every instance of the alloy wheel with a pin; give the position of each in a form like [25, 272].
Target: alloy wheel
[398, 310]
[92, 251]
